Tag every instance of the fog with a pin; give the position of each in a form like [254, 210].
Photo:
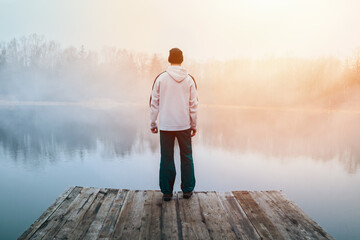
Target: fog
[79, 98]
[35, 69]
[41, 135]
[74, 116]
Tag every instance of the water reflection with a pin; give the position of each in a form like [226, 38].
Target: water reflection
[281, 133]
[33, 133]
[45, 148]
[37, 135]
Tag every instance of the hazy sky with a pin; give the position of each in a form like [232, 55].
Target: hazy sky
[202, 28]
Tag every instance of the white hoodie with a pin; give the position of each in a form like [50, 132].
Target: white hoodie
[174, 98]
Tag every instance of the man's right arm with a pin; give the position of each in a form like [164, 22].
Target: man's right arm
[154, 105]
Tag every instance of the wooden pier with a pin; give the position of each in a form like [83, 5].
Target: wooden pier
[103, 213]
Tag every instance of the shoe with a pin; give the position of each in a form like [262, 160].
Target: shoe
[187, 195]
[167, 196]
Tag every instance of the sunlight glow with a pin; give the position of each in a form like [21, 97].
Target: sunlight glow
[203, 29]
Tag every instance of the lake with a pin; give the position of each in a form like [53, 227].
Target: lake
[312, 155]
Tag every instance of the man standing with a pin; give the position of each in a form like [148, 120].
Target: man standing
[174, 99]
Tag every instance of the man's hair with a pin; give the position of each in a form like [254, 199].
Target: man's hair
[175, 56]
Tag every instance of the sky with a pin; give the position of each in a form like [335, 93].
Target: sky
[203, 29]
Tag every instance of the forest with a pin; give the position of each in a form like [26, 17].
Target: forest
[33, 68]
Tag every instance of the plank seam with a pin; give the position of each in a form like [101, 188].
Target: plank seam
[161, 222]
[178, 220]
[98, 204]
[316, 227]
[229, 218]
[82, 206]
[112, 202]
[202, 215]
[108, 215]
[276, 205]
[120, 213]
[247, 216]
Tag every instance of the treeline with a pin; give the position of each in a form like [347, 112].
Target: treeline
[32, 68]
[280, 81]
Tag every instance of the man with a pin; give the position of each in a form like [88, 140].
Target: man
[174, 99]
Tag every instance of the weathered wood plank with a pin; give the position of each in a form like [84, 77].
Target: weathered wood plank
[192, 221]
[58, 214]
[55, 224]
[113, 215]
[93, 213]
[215, 216]
[241, 224]
[151, 219]
[169, 220]
[32, 229]
[129, 224]
[257, 216]
[288, 229]
[76, 213]
[83, 223]
[294, 217]
[94, 230]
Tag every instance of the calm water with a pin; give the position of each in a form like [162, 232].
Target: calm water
[313, 156]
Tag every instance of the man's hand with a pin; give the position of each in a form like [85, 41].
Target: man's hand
[154, 130]
[193, 132]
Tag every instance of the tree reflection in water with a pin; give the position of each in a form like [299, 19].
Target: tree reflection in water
[37, 135]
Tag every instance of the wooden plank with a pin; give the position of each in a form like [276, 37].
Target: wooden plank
[215, 216]
[58, 214]
[83, 223]
[97, 224]
[113, 215]
[265, 228]
[288, 229]
[241, 224]
[129, 223]
[56, 223]
[89, 213]
[76, 213]
[32, 229]
[192, 221]
[169, 220]
[151, 219]
[297, 221]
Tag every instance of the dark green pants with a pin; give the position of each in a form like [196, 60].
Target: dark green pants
[167, 165]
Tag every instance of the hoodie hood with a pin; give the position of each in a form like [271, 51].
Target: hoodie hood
[177, 73]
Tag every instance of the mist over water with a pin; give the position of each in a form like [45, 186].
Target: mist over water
[38, 133]
[312, 156]
[71, 116]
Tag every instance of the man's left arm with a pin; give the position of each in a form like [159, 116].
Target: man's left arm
[154, 107]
